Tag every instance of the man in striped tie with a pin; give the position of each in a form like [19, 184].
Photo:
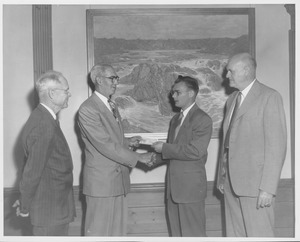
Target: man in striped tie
[186, 153]
[108, 157]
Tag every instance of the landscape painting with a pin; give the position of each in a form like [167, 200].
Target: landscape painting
[149, 48]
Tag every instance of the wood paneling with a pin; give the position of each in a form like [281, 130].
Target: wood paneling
[147, 215]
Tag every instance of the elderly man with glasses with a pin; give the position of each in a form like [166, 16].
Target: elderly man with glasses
[46, 186]
[108, 157]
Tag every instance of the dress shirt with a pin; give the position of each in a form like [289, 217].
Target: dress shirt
[244, 94]
[185, 112]
[245, 91]
[104, 100]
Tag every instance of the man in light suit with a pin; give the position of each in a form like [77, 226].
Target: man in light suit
[252, 153]
[186, 151]
[46, 186]
[108, 157]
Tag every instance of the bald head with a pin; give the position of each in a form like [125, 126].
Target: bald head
[241, 70]
[245, 59]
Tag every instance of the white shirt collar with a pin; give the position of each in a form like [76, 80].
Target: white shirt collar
[186, 111]
[246, 91]
[50, 111]
[103, 99]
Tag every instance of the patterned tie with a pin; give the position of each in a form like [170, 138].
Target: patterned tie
[178, 124]
[236, 107]
[113, 108]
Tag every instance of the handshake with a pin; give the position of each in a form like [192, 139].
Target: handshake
[148, 158]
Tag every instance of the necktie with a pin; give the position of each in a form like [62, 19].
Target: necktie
[113, 108]
[234, 112]
[178, 124]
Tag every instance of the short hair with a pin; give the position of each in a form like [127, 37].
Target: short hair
[247, 59]
[190, 82]
[44, 81]
[98, 69]
[252, 62]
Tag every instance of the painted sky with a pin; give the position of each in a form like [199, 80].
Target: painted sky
[170, 27]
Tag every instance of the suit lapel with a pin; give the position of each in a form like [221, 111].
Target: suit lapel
[56, 124]
[245, 106]
[184, 125]
[48, 114]
[172, 128]
[249, 100]
[229, 109]
[108, 114]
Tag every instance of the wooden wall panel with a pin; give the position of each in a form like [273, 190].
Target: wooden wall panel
[147, 215]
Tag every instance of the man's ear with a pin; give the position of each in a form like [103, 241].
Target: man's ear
[246, 70]
[191, 93]
[51, 93]
[98, 80]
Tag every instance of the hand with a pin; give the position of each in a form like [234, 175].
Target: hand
[157, 146]
[134, 141]
[152, 161]
[18, 211]
[221, 188]
[264, 199]
[145, 157]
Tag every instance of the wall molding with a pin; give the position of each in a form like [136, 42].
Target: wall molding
[42, 39]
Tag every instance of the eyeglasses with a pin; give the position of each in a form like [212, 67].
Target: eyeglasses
[112, 78]
[66, 91]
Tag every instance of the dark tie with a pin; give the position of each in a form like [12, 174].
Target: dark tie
[113, 108]
[236, 107]
[178, 124]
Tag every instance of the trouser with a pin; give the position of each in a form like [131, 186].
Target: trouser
[106, 216]
[242, 217]
[55, 230]
[187, 219]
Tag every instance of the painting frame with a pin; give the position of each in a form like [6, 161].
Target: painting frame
[91, 14]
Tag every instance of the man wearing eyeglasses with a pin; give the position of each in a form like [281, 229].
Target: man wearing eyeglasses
[186, 153]
[46, 186]
[108, 157]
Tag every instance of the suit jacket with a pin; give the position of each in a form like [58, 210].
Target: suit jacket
[187, 155]
[257, 144]
[46, 185]
[107, 156]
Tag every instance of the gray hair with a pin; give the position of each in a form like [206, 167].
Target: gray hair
[46, 79]
[99, 70]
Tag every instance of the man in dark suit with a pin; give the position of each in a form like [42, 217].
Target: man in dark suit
[108, 157]
[46, 186]
[253, 151]
[186, 151]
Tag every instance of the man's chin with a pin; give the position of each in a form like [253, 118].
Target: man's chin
[232, 84]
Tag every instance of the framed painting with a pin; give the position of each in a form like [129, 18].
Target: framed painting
[150, 47]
